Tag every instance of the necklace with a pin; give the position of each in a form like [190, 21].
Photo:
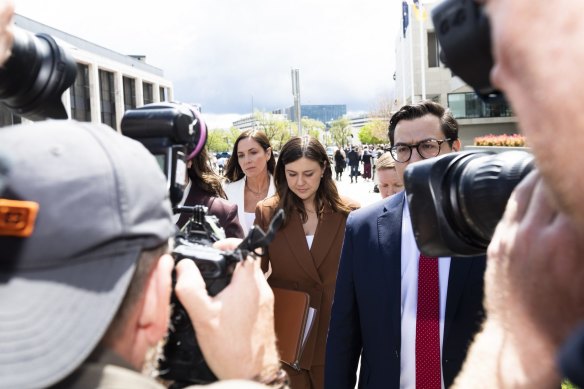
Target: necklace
[256, 194]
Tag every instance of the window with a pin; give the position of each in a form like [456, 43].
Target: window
[162, 93]
[80, 100]
[470, 105]
[107, 97]
[7, 118]
[433, 51]
[129, 93]
[147, 93]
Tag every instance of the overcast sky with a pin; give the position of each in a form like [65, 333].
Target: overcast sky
[224, 54]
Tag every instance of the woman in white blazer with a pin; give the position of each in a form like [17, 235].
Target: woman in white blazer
[249, 174]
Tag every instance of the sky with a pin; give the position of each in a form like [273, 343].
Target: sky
[234, 56]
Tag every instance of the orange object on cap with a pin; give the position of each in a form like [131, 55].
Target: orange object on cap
[17, 217]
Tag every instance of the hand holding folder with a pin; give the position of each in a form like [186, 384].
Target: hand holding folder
[293, 318]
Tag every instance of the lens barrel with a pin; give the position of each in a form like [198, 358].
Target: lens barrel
[456, 200]
[35, 76]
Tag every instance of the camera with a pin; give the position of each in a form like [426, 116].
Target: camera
[457, 199]
[175, 133]
[464, 33]
[35, 76]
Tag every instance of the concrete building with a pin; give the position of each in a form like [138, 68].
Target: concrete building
[107, 84]
[417, 56]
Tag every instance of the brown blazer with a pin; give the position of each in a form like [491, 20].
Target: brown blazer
[315, 271]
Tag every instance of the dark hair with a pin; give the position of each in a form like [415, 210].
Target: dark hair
[308, 147]
[233, 171]
[448, 124]
[203, 177]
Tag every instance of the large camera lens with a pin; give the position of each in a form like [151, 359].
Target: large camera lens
[457, 200]
[34, 78]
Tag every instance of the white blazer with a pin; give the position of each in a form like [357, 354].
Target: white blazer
[235, 192]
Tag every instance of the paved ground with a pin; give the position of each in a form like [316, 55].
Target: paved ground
[362, 191]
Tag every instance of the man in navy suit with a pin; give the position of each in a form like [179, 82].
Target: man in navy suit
[374, 311]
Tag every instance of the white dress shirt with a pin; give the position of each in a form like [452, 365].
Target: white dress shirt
[409, 301]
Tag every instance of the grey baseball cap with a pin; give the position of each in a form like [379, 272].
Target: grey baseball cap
[80, 203]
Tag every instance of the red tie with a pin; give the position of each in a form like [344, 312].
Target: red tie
[428, 373]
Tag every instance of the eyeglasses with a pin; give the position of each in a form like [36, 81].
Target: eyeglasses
[427, 149]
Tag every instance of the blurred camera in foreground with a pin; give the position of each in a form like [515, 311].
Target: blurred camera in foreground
[35, 76]
[457, 200]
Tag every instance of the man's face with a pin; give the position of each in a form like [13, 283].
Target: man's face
[389, 182]
[410, 132]
[538, 52]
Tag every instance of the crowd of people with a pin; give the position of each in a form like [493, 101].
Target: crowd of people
[86, 236]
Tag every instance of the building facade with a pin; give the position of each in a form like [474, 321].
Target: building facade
[322, 113]
[421, 75]
[107, 84]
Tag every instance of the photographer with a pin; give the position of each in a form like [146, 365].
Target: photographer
[534, 280]
[86, 274]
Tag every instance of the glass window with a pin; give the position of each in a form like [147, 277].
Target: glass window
[147, 93]
[469, 105]
[129, 93]
[107, 97]
[80, 100]
[162, 93]
[433, 51]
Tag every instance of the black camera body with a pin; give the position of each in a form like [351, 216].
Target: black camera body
[183, 362]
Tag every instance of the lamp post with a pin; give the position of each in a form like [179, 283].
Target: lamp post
[296, 94]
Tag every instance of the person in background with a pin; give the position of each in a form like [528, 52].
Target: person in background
[388, 180]
[249, 174]
[354, 159]
[408, 316]
[367, 159]
[205, 188]
[304, 254]
[339, 158]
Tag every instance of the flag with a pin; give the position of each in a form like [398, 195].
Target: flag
[405, 16]
[419, 11]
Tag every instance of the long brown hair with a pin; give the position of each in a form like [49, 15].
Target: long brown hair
[233, 171]
[326, 194]
[203, 177]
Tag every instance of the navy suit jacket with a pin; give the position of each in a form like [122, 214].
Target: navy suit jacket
[366, 312]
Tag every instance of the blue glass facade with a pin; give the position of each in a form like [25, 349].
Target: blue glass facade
[323, 113]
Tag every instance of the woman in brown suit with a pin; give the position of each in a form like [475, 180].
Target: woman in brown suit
[304, 254]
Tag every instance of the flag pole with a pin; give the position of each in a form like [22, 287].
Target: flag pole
[411, 44]
[422, 56]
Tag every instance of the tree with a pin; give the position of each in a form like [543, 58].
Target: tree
[374, 132]
[217, 140]
[276, 129]
[340, 131]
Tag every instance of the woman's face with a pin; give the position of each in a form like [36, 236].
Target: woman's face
[252, 158]
[303, 177]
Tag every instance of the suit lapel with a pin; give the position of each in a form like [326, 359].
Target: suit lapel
[458, 274]
[326, 233]
[294, 234]
[389, 227]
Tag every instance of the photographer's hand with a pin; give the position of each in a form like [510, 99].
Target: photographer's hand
[235, 329]
[6, 25]
[533, 293]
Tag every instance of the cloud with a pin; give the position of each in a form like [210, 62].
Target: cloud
[225, 53]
